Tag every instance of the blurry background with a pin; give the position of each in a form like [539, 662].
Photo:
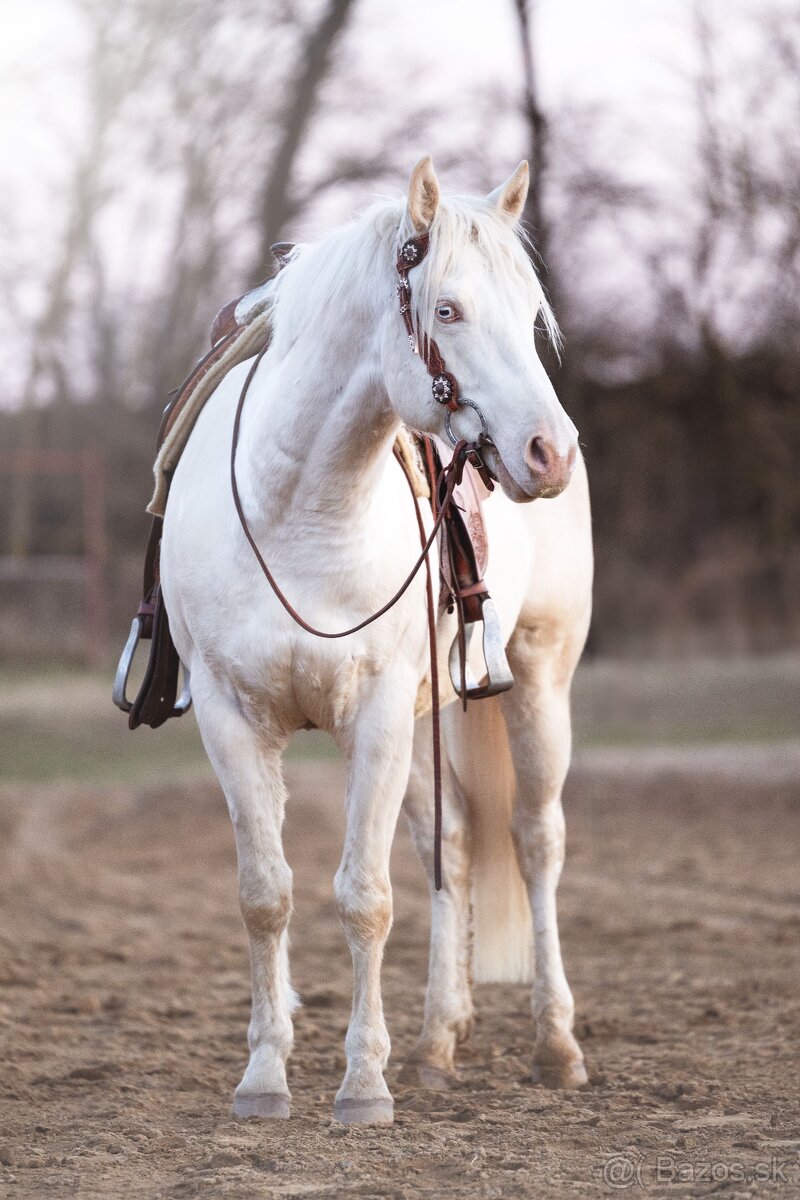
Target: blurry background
[153, 151]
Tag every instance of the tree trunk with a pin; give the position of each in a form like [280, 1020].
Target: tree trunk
[311, 71]
[534, 214]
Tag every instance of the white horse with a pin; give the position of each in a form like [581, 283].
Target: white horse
[332, 514]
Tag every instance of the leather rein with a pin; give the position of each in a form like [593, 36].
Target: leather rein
[446, 392]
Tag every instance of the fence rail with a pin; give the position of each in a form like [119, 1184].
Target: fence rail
[88, 568]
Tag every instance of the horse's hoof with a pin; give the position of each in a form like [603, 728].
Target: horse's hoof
[268, 1104]
[435, 1078]
[364, 1112]
[564, 1077]
[421, 1074]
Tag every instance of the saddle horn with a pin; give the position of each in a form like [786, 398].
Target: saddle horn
[282, 252]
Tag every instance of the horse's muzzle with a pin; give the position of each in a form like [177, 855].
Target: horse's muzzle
[550, 466]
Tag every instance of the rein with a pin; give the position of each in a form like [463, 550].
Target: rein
[446, 392]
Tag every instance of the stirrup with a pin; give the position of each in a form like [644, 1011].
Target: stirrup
[498, 672]
[119, 691]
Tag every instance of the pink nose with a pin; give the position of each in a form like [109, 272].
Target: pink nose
[551, 469]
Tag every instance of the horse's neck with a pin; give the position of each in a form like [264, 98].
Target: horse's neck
[317, 434]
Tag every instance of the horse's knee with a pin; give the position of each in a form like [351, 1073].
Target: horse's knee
[265, 898]
[364, 904]
[539, 834]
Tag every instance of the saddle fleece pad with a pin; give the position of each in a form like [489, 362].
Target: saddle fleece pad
[188, 407]
[248, 342]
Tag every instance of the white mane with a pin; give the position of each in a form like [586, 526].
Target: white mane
[353, 266]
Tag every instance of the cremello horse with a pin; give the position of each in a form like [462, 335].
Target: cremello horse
[332, 513]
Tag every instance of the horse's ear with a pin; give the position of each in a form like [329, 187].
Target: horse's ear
[423, 194]
[509, 199]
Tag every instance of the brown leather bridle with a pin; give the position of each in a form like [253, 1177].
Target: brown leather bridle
[445, 391]
[444, 385]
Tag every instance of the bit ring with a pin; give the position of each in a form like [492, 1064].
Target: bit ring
[483, 436]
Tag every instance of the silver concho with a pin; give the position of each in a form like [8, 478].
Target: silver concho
[442, 388]
[410, 253]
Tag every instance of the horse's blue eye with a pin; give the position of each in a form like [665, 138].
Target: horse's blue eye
[447, 312]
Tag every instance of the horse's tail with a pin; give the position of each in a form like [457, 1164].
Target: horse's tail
[478, 749]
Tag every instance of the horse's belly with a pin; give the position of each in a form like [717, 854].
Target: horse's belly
[559, 530]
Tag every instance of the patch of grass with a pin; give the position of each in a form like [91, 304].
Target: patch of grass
[734, 733]
[59, 725]
[98, 752]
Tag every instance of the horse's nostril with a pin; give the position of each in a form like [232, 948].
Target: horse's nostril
[551, 468]
[541, 455]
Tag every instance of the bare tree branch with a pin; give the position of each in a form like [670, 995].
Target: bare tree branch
[315, 63]
[538, 131]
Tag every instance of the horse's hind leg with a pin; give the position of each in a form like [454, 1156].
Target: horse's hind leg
[250, 775]
[538, 721]
[448, 999]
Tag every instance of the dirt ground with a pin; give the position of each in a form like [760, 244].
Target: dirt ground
[124, 999]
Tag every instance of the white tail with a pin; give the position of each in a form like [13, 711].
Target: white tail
[478, 749]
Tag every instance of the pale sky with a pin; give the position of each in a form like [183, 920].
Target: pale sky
[588, 49]
[631, 56]
[617, 51]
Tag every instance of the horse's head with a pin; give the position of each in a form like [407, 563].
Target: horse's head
[477, 296]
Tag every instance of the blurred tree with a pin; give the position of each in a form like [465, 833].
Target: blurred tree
[315, 59]
[534, 215]
[108, 80]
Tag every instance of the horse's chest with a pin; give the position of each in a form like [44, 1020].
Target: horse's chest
[297, 685]
[294, 679]
[325, 686]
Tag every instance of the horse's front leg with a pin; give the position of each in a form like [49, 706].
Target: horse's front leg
[248, 766]
[379, 754]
